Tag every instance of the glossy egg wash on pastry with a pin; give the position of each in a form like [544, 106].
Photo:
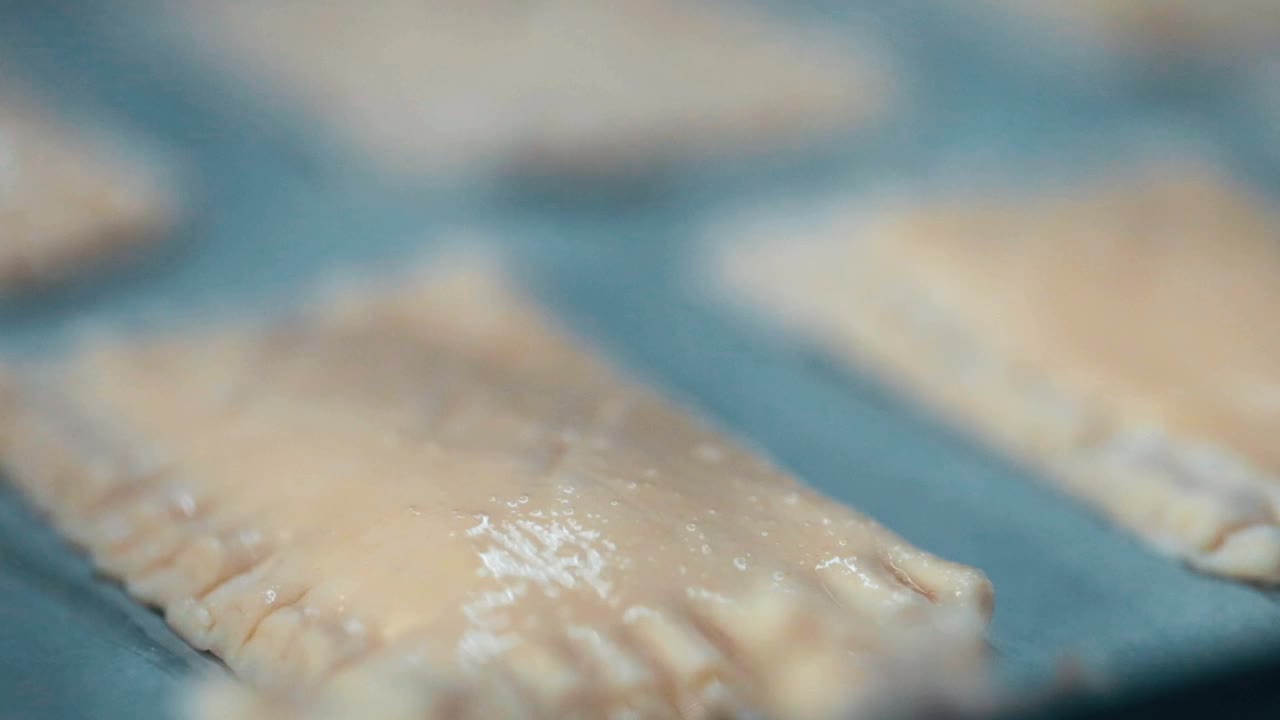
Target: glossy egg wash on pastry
[430, 487]
[1119, 334]
[68, 200]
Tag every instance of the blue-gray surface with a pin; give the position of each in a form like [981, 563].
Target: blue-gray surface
[277, 207]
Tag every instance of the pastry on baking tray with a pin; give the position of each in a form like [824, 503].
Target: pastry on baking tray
[1120, 335]
[69, 200]
[428, 497]
[560, 87]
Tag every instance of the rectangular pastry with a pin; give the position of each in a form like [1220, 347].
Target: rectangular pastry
[1119, 335]
[432, 485]
[565, 87]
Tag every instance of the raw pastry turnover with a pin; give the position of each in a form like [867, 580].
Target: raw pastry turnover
[68, 201]
[430, 499]
[569, 87]
[1121, 336]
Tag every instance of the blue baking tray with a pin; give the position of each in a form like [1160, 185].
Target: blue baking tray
[275, 205]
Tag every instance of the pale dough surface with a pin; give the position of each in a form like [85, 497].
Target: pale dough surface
[433, 480]
[66, 200]
[566, 86]
[1119, 334]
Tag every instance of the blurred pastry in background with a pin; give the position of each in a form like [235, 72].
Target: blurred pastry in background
[1164, 26]
[572, 88]
[71, 199]
[431, 494]
[1119, 334]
